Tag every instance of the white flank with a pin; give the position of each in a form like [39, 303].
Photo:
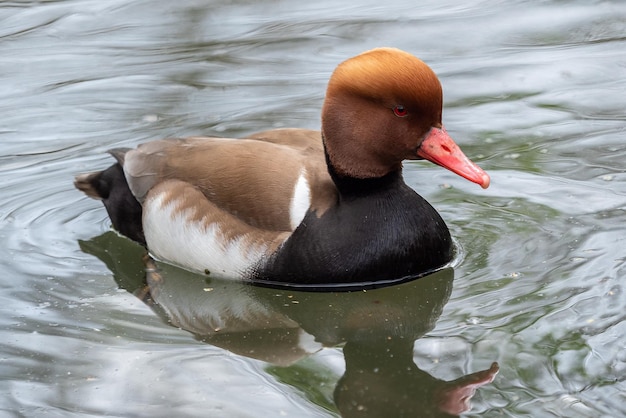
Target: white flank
[173, 236]
[301, 200]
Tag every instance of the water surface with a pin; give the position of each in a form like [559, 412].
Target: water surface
[534, 92]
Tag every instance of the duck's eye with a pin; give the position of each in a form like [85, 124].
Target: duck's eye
[400, 111]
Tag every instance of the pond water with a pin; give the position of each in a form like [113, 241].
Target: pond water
[534, 92]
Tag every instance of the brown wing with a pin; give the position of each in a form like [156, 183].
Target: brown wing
[252, 178]
[305, 140]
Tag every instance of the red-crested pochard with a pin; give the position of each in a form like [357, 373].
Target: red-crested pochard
[296, 206]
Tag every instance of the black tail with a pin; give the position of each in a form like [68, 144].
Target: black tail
[111, 187]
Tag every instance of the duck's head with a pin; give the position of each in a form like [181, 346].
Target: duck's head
[382, 107]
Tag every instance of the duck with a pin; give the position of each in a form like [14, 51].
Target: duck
[295, 206]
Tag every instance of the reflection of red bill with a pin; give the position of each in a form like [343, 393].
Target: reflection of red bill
[439, 148]
[455, 398]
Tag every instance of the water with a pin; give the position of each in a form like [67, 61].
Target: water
[534, 92]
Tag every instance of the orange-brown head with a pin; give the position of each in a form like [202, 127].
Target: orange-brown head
[380, 108]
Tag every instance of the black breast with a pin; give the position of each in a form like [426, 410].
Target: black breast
[380, 230]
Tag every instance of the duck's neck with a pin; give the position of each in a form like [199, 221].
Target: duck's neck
[352, 187]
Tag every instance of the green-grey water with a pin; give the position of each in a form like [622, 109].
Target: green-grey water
[533, 91]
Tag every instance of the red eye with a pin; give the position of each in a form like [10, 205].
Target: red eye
[400, 111]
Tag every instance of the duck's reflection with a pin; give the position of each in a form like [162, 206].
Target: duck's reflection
[377, 328]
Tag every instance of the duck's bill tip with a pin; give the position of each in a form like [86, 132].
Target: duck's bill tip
[485, 181]
[440, 149]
